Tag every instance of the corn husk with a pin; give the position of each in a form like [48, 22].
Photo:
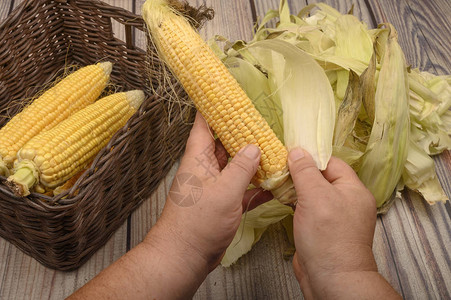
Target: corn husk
[419, 175]
[324, 34]
[307, 99]
[348, 110]
[386, 152]
[405, 117]
[253, 224]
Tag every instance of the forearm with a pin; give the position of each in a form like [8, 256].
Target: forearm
[349, 275]
[356, 285]
[154, 269]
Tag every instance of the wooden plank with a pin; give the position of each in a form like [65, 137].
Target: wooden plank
[261, 274]
[419, 238]
[25, 278]
[384, 256]
[5, 7]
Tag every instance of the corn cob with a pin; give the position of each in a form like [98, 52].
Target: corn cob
[69, 183]
[54, 156]
[215, 93]
[71, 94]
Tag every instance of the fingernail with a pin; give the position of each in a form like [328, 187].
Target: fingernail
[251, 151]
[295, 154]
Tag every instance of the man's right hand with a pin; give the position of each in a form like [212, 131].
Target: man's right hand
[334, 225]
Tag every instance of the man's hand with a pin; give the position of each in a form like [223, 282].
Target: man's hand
[199, 220]
[206, 221]
[334, 224]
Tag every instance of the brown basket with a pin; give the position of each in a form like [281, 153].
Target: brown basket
[37, 41]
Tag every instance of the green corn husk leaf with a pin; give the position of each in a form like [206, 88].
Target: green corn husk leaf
[256, 86]
[352, 41]
[423, 112]
[418, 85]
[213, 44]
[325, 12]
[441, 86]
[287, 223]
[433, 141]
[386, 153]
[306, 96]
[253, 224]
[361, 135]
[368, 83]
[419, 175]
[333, 62]
[348, 110]
[262, 32]
[349, 155]
[446, 122]
[284, 13]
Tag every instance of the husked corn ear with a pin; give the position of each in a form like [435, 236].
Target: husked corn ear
[214, 91]
[54, 156]
[71, 94]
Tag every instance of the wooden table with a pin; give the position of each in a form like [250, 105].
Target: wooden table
[412, 243]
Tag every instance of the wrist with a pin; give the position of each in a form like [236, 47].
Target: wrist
[344, 274]
[355, 285]
[338, 260]
[177, 261]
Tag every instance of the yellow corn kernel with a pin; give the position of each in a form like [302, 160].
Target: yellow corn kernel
[71, 94]
[54, 156]
[214, 91]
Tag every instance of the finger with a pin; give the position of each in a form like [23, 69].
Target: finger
[200, 147]
[200, 137]
[242, 168]
[304, 172]
[338, 171]
[255, 197]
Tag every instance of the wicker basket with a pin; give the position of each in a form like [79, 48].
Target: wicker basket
[37, 41]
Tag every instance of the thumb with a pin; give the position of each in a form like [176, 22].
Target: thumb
[304, 172]
[242, 168]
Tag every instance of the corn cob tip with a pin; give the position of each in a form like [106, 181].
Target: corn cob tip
[281, 186]
[155, 12]
[159, 6]
[24, 178]
[135, 98]
[106, 66]
[285, 192]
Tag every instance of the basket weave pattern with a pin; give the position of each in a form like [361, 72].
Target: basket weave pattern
[37, 41]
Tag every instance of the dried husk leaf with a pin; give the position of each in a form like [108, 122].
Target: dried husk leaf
[306, 96]
[419, 175]
[348, 111]
[386, 153]
[368, 83]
